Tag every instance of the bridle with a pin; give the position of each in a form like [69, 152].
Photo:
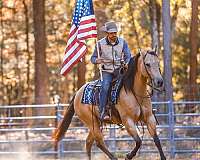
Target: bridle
[150, 84]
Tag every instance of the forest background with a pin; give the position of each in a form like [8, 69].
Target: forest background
[33, 37]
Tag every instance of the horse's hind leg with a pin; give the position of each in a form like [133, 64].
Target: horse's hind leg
[89, 142]
[151, 125]
[131, 129]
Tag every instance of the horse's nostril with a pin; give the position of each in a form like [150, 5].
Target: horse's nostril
[160, 83]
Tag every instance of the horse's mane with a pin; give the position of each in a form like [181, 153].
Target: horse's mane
[128, 78]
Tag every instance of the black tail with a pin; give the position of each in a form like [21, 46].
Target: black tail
[64, 124]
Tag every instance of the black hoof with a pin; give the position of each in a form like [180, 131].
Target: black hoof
[163, 158]
[128, 156]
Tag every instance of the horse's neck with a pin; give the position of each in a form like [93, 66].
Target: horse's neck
[140, 86]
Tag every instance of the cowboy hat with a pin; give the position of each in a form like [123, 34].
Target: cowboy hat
[110, 27]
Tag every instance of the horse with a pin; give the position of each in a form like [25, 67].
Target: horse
[134, 105]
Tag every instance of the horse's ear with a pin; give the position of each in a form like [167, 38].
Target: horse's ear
[156, 49]
[140, 52]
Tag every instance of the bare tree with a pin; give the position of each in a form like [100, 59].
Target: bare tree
[41, 72]
[193, 51]
[155, 35]
[131, 9]
[26, 13]
[154, 24]
[166, 22]
[81, 73]
[1, 55]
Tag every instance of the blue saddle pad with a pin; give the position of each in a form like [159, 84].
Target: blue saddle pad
[92, 90]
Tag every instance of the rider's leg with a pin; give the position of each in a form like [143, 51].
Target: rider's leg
[106, 83]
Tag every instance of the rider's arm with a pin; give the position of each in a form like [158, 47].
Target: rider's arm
[127, 52]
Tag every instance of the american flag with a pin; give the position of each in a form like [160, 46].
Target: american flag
[83, 28]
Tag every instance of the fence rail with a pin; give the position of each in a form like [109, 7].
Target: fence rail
[18, 130]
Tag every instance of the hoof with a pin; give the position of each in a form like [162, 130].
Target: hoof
[163, 158]
[128, 156]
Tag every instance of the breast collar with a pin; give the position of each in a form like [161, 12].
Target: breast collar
[108, 42]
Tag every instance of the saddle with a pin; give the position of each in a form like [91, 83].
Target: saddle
[92, 91]
[91, 95]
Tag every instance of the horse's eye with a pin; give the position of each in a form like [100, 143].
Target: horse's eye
[148, 64]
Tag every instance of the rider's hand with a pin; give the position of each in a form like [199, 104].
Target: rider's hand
[126, 66]
[99, 60]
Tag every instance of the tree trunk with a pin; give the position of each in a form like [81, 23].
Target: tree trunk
[166, 20]
[131, 9]
[1, 60]
[155, 36]
[81, 73]
[154, 26]
[193, 51]
[28, 89]
[41, 72]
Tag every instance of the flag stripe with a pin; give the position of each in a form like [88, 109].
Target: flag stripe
[73, 58]
[70, 50]
[72, 36]
[89, 36]
[88, 29]
[88, 17]
[86, 34]
[73, 61]
[73, 52]
[89, 22]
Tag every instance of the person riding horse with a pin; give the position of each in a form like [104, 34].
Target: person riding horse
[113, 53]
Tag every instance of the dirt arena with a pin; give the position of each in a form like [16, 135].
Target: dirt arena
[103, 157]
[138, 157]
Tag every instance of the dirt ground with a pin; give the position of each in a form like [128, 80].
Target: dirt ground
[142, 156]
[139, 157]
[100, 156]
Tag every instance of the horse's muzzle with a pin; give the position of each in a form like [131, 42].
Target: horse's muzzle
[158, 82]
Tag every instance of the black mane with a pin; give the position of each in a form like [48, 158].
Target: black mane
[128, 79]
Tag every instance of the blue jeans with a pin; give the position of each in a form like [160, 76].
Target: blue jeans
[106, 84]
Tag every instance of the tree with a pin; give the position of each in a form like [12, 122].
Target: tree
[41, 72]
[193, 51]
[166, 22]
[155, 35]
[81, 70]
[1, 55]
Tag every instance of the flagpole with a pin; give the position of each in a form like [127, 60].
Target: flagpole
[98, 56]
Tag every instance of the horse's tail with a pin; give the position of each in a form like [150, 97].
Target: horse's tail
[64, 124]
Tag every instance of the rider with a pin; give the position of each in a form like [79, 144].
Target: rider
[113, 51]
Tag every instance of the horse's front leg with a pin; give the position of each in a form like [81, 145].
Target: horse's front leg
[151, 125]
[131, 129]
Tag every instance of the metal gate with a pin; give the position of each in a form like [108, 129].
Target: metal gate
[179, 132]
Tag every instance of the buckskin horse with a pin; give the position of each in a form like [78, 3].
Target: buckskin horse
[134, 105]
